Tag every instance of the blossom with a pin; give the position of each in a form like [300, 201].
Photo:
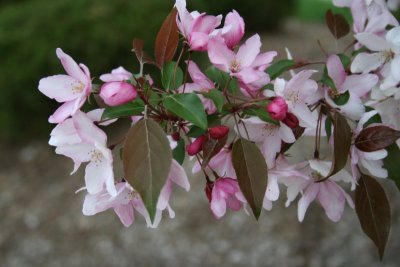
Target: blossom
[277, 108]
[233, 29]
[299, 92]
[117, 93]
[195, 27]
[358, 85]
[117, 75]
[82, 141]
[221, 163]
[71, 89]
[266, 135]
[328, 193]
[248, 65]
[202, 84]
[128, 199]
[225, 193]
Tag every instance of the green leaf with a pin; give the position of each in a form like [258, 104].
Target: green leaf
[222, 78]
[262, 114]
[328, 127]
[130, 109]
[195, 132]
[345, 60]
[373, 211]
[341, 144]
[211, 147]
[391, 163]
[171, 76]
[147, 159]
[217, 97]
[187, 106]
[327, 80]
[279, 67]
[179, 152]
[252, 173]
[337, 24]
[342, 99]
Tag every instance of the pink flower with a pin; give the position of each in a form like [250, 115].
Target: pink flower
[127, 199]
[200, 84]
[299, 92]
[226, 193]
[71, 89]
[277, 108]
[195, 27]
[82, 141]
[117, 93]
[117, 75]
[248, 65]
[221, 163]
[267, 136]
[233, 29]
[358, 85]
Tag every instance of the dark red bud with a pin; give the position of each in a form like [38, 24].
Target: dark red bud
[291, 120]
[196, 146]
[218, 132]
[176, 136]
[208, 190]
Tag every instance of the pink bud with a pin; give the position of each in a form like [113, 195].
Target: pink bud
[117, 93]
[278, 108]
[291, 120]
[236, 31]
[196, 146]
[218, 132]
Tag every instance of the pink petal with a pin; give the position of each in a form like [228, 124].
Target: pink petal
[87, 130]
[198, 41]
[125, 214]
[236, 32]
[78, 153]
[64, 134]
[97, 174]
[365, 62]
[360, 84]
[332, 200]
[178, 175]
[220, 55]
[60, 87]
[248, 51]
[264, 60]
[206, 24]
[309, 195]
[336, 70]
[63, 112]
[70, 66]
[373, 42]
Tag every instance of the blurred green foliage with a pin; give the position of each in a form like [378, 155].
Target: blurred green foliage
[97, 33]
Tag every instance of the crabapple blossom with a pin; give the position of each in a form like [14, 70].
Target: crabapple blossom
[267, 136]
[225, 192]
[117, 93]
[221, 163]
[201, 83]
[299, 92]
[82, 141]
[71, 89]
[195, 27]
[127, 199]
[233, 29]
[247, 65]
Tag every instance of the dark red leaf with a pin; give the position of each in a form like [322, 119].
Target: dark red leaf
[341, 144]
[373, 211]
[141, 55]
[211, 147]
[337, 24]
[375, 138]
[167, 40]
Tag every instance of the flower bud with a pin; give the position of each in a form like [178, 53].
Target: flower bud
[218, 132]
[117, 93]
[278, 108]
[175, 136]
[196, 146]
[291, 120]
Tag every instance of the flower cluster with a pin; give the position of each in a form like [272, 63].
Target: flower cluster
[237, 119]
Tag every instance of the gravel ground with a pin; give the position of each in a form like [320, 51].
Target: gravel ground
[42, 225]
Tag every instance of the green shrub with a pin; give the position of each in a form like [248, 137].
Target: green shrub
[97, 33]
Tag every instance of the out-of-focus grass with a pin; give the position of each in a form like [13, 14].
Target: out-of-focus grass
[314, 10]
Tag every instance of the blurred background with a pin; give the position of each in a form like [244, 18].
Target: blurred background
[41, 222]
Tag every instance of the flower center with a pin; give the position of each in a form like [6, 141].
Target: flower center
[77, 87]
[96, 156]
[235, 66]
[133, 195]
[293, 96]
[388, 55]
[316, 176]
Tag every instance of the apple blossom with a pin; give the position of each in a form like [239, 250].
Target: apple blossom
[71, 89]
